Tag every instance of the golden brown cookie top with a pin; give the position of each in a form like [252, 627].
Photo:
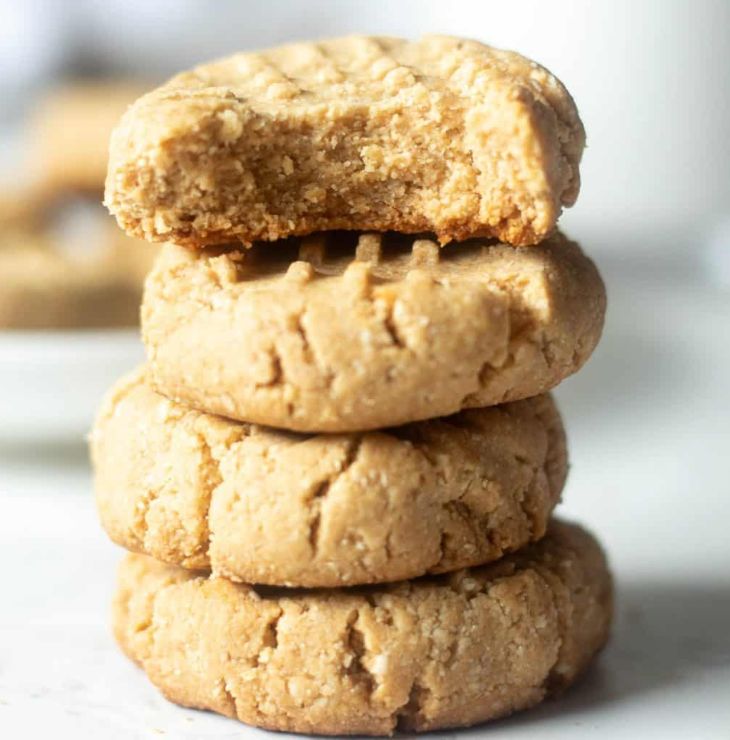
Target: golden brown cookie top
[441, 134]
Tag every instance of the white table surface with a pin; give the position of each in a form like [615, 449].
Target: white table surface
[648, 423]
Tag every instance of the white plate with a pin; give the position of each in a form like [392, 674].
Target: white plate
[51, 382]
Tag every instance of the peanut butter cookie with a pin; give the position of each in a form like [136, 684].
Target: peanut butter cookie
[263, 506]
[444, 651]
[348, 332]
[442, 134]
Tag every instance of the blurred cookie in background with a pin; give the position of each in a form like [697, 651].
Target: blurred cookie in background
[64, 263]
[69, 129]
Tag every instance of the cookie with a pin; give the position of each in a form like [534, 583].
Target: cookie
[444, 651]
[65, 265]
[69, 133]
[347, 332]
[18, 207]
[443, 134]
[263, 506]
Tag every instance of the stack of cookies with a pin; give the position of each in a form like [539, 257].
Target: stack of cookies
[338, 468]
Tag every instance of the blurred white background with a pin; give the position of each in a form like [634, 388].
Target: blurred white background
[647, 418]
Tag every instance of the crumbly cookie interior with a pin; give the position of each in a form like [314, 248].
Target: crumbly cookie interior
[442, 135]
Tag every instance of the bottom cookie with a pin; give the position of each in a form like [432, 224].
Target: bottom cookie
[436, 652]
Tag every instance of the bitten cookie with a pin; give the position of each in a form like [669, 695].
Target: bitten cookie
[442, 134]
[347, 332]
[263, 506]
[438, 652]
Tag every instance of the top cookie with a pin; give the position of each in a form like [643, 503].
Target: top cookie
[442, 134]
